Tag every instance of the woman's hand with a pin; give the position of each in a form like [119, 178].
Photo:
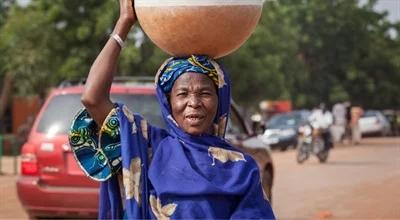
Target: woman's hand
[127, 12]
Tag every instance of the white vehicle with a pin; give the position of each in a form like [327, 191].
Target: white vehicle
[374, 122]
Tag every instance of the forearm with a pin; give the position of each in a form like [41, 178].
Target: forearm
[96, 96]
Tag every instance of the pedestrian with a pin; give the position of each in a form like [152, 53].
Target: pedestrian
[339, 124]
[356, 113]
[347, 133]
[23, 132]
[267, 111]
[186, 172]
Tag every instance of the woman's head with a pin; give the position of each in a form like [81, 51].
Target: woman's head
[191, 86]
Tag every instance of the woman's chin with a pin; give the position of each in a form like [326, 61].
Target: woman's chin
[194, 132]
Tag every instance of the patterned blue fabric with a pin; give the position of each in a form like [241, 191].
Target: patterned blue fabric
[172, 174]
[178, 66]
[98, 163]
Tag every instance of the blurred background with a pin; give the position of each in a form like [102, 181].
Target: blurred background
[302, 53]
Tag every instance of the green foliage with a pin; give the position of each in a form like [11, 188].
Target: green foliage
[5, 6]
[4, 9]
[347, 51]
[266, 66]
[52, 40]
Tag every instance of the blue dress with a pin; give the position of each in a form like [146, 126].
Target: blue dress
[151, 173]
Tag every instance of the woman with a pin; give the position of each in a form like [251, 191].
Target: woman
[189, 171]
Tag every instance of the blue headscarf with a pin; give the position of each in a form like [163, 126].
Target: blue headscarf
[175, 67]
[170, 71]
[169, 173]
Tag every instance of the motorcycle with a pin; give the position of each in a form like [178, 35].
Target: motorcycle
[311, 141]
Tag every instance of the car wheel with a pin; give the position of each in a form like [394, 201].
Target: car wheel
[294, 145]
[386, 132]
[323, 156]
[302, 153]
[34, 217]
[283, 148]
[267, 184]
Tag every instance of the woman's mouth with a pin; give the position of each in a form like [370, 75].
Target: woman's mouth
[194, 118]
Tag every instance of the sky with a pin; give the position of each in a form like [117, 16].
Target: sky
[392, 6]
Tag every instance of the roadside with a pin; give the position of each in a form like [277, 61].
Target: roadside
[10, 206]
[357, 182]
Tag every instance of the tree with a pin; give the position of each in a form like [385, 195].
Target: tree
[4, 8]
[267, 66]
[50, 41]
[54, 40]
[347, 52]
[5, 78]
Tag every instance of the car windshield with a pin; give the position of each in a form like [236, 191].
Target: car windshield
[58, 116]
[369, 114]
[285, 120]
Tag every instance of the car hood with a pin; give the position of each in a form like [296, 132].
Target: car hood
[281, 127]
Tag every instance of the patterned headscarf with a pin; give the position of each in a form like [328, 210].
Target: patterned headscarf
[178, 66]
[174, 67]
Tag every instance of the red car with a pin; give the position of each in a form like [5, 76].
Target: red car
[51, 183]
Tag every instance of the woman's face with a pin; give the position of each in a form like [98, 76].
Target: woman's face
[194, 103]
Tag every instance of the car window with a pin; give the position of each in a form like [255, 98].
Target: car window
[285, 120]
[382, 118]
[59, 113]
[234, 125]
[145, 105]
[369, 114]
[58, 116]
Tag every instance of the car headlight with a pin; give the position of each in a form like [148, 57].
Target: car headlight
[271, 132]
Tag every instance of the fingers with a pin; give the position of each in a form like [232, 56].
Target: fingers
[127, 11]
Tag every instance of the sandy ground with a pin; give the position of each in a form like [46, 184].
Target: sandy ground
[10, 207]
[357, 182]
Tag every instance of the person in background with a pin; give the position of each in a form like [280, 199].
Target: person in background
[356, 113]
[347, 133]
[340, 121]
[187, 171]
[321, 118]
[267, 109]
[23, 131]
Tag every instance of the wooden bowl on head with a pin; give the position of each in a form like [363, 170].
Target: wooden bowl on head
[203, 27]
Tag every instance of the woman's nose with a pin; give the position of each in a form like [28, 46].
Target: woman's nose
[194, 101]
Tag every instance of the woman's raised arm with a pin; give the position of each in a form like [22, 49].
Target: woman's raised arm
[96, 96]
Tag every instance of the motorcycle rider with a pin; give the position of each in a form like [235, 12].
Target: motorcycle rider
[322, 118]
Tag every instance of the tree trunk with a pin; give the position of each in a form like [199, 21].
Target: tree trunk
[5, 95]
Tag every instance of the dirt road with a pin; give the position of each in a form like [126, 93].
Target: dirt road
[357, 182]
[10, 207]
